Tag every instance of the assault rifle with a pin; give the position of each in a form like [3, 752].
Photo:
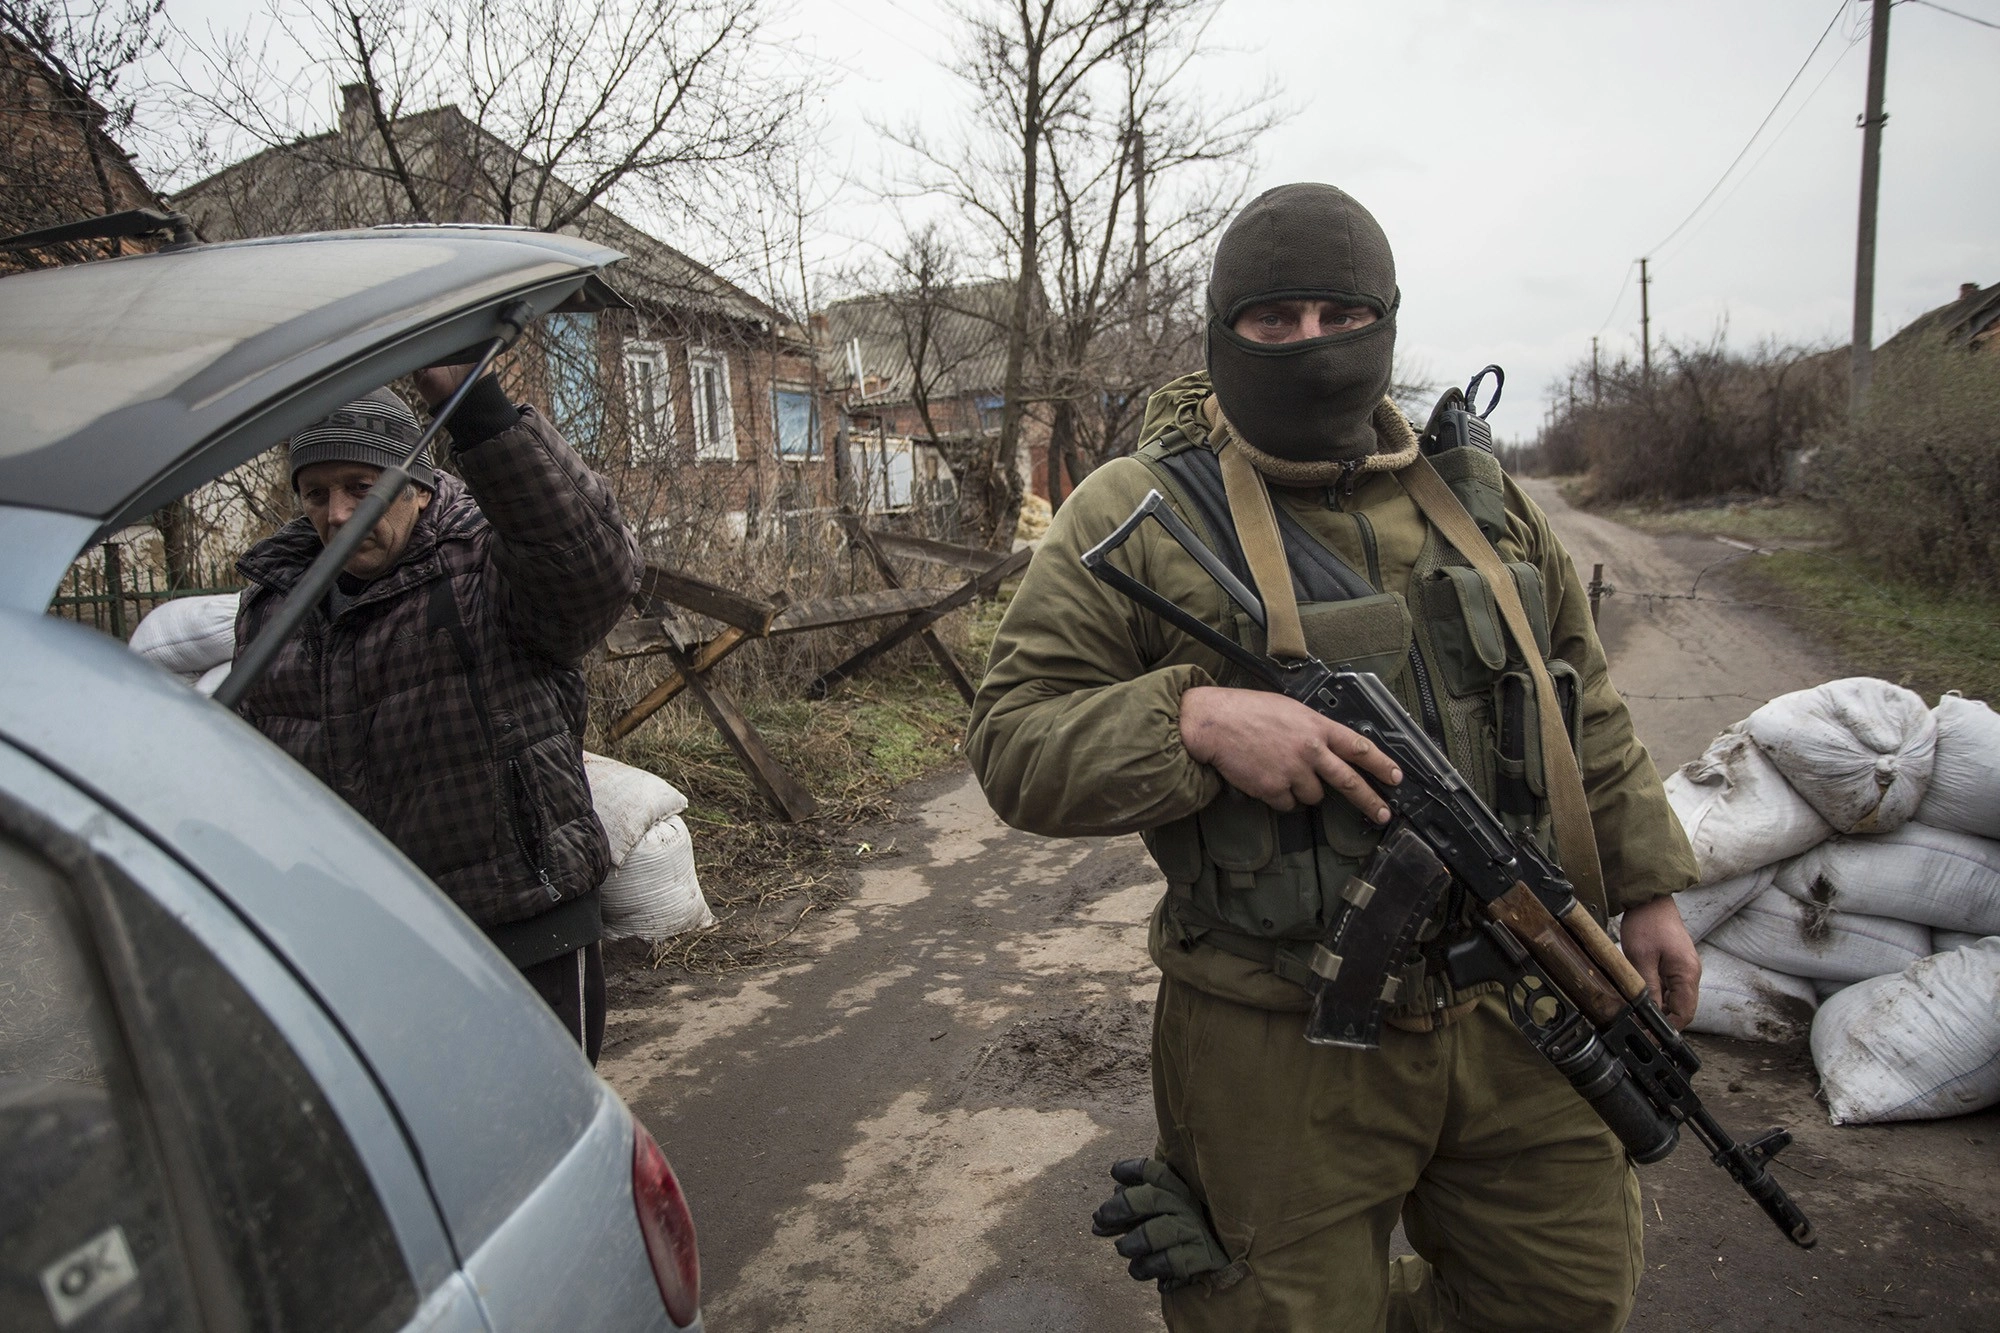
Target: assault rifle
[1573, 995]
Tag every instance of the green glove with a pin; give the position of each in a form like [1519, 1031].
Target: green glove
[1160, 1225]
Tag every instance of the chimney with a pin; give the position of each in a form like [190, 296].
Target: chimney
[355, 111]
[1967, 290]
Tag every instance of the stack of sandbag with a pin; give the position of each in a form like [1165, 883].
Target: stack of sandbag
[651, 892]
[192, 637]
[1846, 837]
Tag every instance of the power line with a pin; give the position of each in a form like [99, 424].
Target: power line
[1969, 18]
[1842, 9]
[1770, 147]
[1623, 287]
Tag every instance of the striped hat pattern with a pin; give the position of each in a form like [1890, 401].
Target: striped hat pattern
[377, 428]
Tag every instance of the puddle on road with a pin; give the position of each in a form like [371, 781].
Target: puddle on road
[903, 1232]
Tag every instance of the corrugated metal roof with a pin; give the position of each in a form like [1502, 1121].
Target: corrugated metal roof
[962, 336]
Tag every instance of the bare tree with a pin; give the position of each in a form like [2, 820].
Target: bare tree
[1137, 190]
[67, 93]
[672, 110]
[1080, 109]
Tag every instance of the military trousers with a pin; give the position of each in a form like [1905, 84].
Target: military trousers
[1522, 1206]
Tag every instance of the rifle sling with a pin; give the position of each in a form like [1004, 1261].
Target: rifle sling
[1576, 843]
[1257, 532]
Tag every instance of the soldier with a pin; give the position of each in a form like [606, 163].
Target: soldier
[1282, 1168]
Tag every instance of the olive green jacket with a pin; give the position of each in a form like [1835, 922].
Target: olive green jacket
[1075, 729]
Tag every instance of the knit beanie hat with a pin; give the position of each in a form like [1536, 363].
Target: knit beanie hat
[377, 428]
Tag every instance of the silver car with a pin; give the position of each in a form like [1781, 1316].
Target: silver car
[256, 1071]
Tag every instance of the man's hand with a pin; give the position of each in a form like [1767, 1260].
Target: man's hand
[437, 383]
[1159, 1225]
[1281, 752]
[1658, 944]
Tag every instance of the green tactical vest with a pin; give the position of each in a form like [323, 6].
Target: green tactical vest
[1264, 884]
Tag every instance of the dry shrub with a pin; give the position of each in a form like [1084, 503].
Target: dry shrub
[1916, 478]
[1708, 421]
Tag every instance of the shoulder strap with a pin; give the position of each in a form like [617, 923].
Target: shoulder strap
[1575, 840]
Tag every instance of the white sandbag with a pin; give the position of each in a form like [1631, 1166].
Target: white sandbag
[1778, 931]
[189, 635]
[629, 801]
[1859, 750]
[1739, 812]
[1705, 908]
[1964, 794]
[212, 679]
[1930, 876]
[655, 894]
[1826, 990]
[1919, 1045]
[1741, 999]
[1944, 941]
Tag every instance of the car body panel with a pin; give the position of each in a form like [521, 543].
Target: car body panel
[491, 1088]
[370, 1124]
[37, 547]
[132, 381]
[524, 1282]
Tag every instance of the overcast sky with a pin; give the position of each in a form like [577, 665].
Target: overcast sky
[1522, 155]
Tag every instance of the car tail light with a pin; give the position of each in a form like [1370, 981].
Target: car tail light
[668, 1226]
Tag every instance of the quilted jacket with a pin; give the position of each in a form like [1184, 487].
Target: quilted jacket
[445, 702]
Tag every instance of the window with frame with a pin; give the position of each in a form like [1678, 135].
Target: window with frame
[714, 423]
[576, 404]
[649, 406]
[798, 423]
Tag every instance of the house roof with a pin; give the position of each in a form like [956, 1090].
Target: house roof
[654, 274]
[965, 342]
[1973, 318]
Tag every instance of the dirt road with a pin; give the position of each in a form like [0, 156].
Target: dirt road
[908, 1127]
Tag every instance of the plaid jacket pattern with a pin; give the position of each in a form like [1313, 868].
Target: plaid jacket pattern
[476, 775]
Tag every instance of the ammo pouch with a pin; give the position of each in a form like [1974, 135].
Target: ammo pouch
[1265, 885]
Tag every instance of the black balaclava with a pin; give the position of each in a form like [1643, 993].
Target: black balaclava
[1313, 402]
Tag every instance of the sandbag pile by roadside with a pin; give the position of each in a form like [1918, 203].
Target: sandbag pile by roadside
[652, 892]
[190, 637]
[1849, 842]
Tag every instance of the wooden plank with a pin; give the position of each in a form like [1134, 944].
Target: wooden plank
[659, 584]
[704, 656]
[779, 787]
[941, 654]
[854, 609]
[973, 559]
[982, 585]
[643, 636]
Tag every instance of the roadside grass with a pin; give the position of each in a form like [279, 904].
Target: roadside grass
[1744, 518]
[1882, 626]
[763, 876]
[1877, 624]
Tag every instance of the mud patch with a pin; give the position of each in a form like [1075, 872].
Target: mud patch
[1098, 1055]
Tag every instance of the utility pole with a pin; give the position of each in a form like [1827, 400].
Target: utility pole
[1595, 387]
[1645, 328]
[1863, 347]
[1142, 280]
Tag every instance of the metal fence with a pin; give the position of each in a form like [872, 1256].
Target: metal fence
[115, 599]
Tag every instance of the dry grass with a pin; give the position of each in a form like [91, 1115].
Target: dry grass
[765, 877]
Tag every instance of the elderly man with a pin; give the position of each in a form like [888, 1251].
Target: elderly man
[437, 688]
[1281, 1167]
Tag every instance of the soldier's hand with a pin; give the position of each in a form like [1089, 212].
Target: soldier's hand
[1281, 752]
[1657, 941]
[1159, 1225]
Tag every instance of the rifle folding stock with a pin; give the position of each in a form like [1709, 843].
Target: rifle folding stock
[1569, 989]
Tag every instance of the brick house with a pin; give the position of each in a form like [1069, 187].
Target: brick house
[58, 163]
[701, 402]
[919, 381]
